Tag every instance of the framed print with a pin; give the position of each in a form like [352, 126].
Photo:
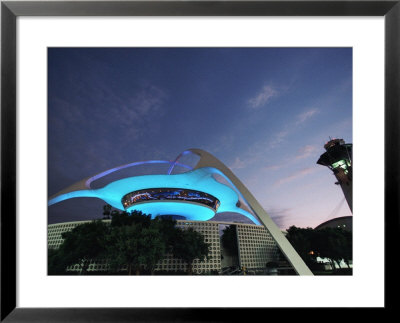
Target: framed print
[354, 43]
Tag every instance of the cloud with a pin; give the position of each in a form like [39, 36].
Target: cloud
[303, 117]
[221, 143]
[262, 98]
[279, 216]
[145, 104]
[278, 138]
[305, 151]
[149, 100]
[237, 164]
[112, 123]
[291, 127]
[273, 167]
[302, 153]
[294, 176]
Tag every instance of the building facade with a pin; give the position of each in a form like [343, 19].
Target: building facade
[256, 247]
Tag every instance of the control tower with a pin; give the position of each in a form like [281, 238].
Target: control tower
[338, 158]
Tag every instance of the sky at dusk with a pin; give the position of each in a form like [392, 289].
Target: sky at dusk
[264, 112]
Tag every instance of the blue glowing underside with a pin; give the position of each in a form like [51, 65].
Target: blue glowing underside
[189, 211]
[200, 179]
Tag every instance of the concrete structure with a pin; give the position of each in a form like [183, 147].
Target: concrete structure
[209, 196]
[338, 158]
[256, 247]
[344, 222]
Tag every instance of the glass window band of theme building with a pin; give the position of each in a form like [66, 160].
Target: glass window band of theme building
[170, 194]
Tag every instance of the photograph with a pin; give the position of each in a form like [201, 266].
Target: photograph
[200, 161]
[193, 160]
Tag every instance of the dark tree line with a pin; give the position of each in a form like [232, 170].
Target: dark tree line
[333, 243]
[133, 240]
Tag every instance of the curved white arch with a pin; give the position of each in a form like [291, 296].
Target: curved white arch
[208, 160]
[175, 162]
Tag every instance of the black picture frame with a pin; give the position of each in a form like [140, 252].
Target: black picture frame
[10, 10]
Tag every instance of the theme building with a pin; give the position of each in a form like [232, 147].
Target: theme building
[197, 194]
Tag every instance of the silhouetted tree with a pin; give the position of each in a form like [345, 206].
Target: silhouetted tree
[83, 243]
[136, 246]
[107, 211]
[131, 239]
[348, 248]
[127, 218]
[56, 263]
[229, 240]
[301, 239]
[168, 230]
[138, 241]
[190, 245]
[332, 243]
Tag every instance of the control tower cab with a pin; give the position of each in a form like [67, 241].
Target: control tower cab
[338, 158]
